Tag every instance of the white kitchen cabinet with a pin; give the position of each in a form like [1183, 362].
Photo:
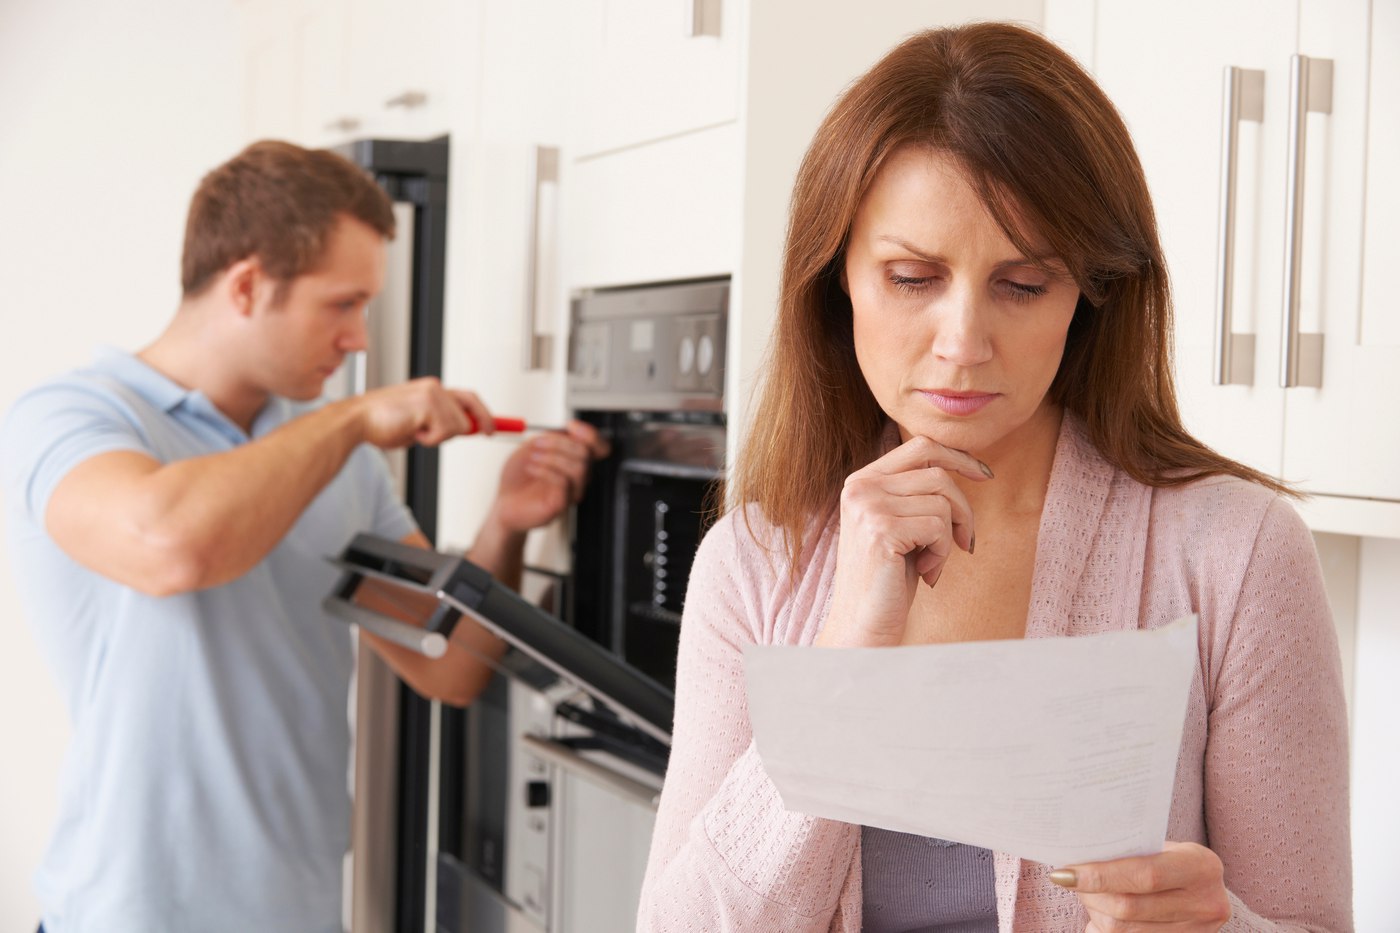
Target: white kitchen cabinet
[651, 69]
[1336, 439]
[295, 63]
[503, 286]
[1344, 437]
[405, 64]
[271, 105]
[320, 72]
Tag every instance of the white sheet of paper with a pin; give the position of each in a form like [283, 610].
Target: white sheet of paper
[1058, 750]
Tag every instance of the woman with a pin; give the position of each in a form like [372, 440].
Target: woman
[969, 432]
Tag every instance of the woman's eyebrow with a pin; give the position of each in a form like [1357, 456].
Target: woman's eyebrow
[910, 247]
[1046, 258]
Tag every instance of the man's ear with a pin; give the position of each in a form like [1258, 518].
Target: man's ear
[242, 283]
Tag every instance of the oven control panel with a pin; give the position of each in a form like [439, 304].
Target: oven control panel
[649, 347]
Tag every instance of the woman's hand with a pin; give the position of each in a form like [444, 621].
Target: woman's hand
[901, 517]
[1181, 888]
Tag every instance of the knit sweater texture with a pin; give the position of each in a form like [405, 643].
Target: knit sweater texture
[1262, 773]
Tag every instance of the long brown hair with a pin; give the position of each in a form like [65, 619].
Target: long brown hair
[1044, 148]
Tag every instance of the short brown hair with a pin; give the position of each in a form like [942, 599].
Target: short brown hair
[1044, 148]
[278, 202]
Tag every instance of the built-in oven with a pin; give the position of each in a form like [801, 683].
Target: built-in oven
[647, 368]
[547, 791]
[585, 738]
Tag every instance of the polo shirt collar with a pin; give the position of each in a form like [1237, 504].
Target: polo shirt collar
[169, 396]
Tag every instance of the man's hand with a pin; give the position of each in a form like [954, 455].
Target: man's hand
[542, 478]
[422, 411]
[545, 476]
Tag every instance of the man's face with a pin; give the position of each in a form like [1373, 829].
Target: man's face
[321, 315]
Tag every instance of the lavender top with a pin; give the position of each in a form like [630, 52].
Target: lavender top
[916, 884]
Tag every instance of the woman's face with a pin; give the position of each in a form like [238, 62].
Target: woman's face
[957, 333]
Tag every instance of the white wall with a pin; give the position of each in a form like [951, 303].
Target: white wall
[109, 114]
[1375, 737]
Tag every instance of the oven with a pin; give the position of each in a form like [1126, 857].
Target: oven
[647, 369]
[546, 793]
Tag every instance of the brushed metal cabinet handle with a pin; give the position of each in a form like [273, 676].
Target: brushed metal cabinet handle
[702, 18]
[1243, 100]
[1309, 91]
[408, 100]
[342, 125]
[539, 345]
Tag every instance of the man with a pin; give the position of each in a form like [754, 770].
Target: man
[169, 513]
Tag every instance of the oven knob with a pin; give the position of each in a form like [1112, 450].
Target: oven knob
[536, 794]
[705, 355]
[687, 359]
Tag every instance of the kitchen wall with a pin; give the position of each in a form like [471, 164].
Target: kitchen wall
[109, 114]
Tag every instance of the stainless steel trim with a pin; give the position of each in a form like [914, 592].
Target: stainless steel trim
[562, 756]
[539, 347]
[1309, 91]
[702, 18]
[374, 819]
[433, 816]
[1243, 100]
[432, 644]
[653, 300]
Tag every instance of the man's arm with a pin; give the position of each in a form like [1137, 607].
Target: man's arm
[541, 479]
[196, 523]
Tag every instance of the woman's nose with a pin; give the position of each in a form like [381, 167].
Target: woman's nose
[961, 330]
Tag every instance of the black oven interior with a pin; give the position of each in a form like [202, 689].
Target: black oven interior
[637, 529]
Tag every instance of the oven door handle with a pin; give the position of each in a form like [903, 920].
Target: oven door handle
[556, 753]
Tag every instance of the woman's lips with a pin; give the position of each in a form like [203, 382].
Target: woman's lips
[958, 403]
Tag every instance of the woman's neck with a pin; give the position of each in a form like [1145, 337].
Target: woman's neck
[1022, 462]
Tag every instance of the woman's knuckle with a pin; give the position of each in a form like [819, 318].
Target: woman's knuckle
[1123, 906]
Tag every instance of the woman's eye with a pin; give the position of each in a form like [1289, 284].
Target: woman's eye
[1022, 291]
[909, 283]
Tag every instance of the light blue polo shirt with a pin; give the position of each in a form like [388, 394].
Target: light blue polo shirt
[204, 789]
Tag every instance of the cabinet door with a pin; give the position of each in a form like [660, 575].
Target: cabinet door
[1162, 65]
[647, 75]
[1342, 437]
[295, 72]
[271, 108]
[406, 64]
[328, 116]
[501, 255]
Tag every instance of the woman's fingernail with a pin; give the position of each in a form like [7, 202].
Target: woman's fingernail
[986, 469]
[1065, 877]
[972, 543]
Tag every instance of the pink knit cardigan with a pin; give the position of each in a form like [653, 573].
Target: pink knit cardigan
[1262, 773]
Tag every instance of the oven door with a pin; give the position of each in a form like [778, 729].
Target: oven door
[565, 757]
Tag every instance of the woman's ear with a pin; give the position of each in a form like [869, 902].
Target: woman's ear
[845, 283]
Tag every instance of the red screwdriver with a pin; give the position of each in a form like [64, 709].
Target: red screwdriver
[507, 425]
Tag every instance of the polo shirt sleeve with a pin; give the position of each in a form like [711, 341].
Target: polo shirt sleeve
[52, 429]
